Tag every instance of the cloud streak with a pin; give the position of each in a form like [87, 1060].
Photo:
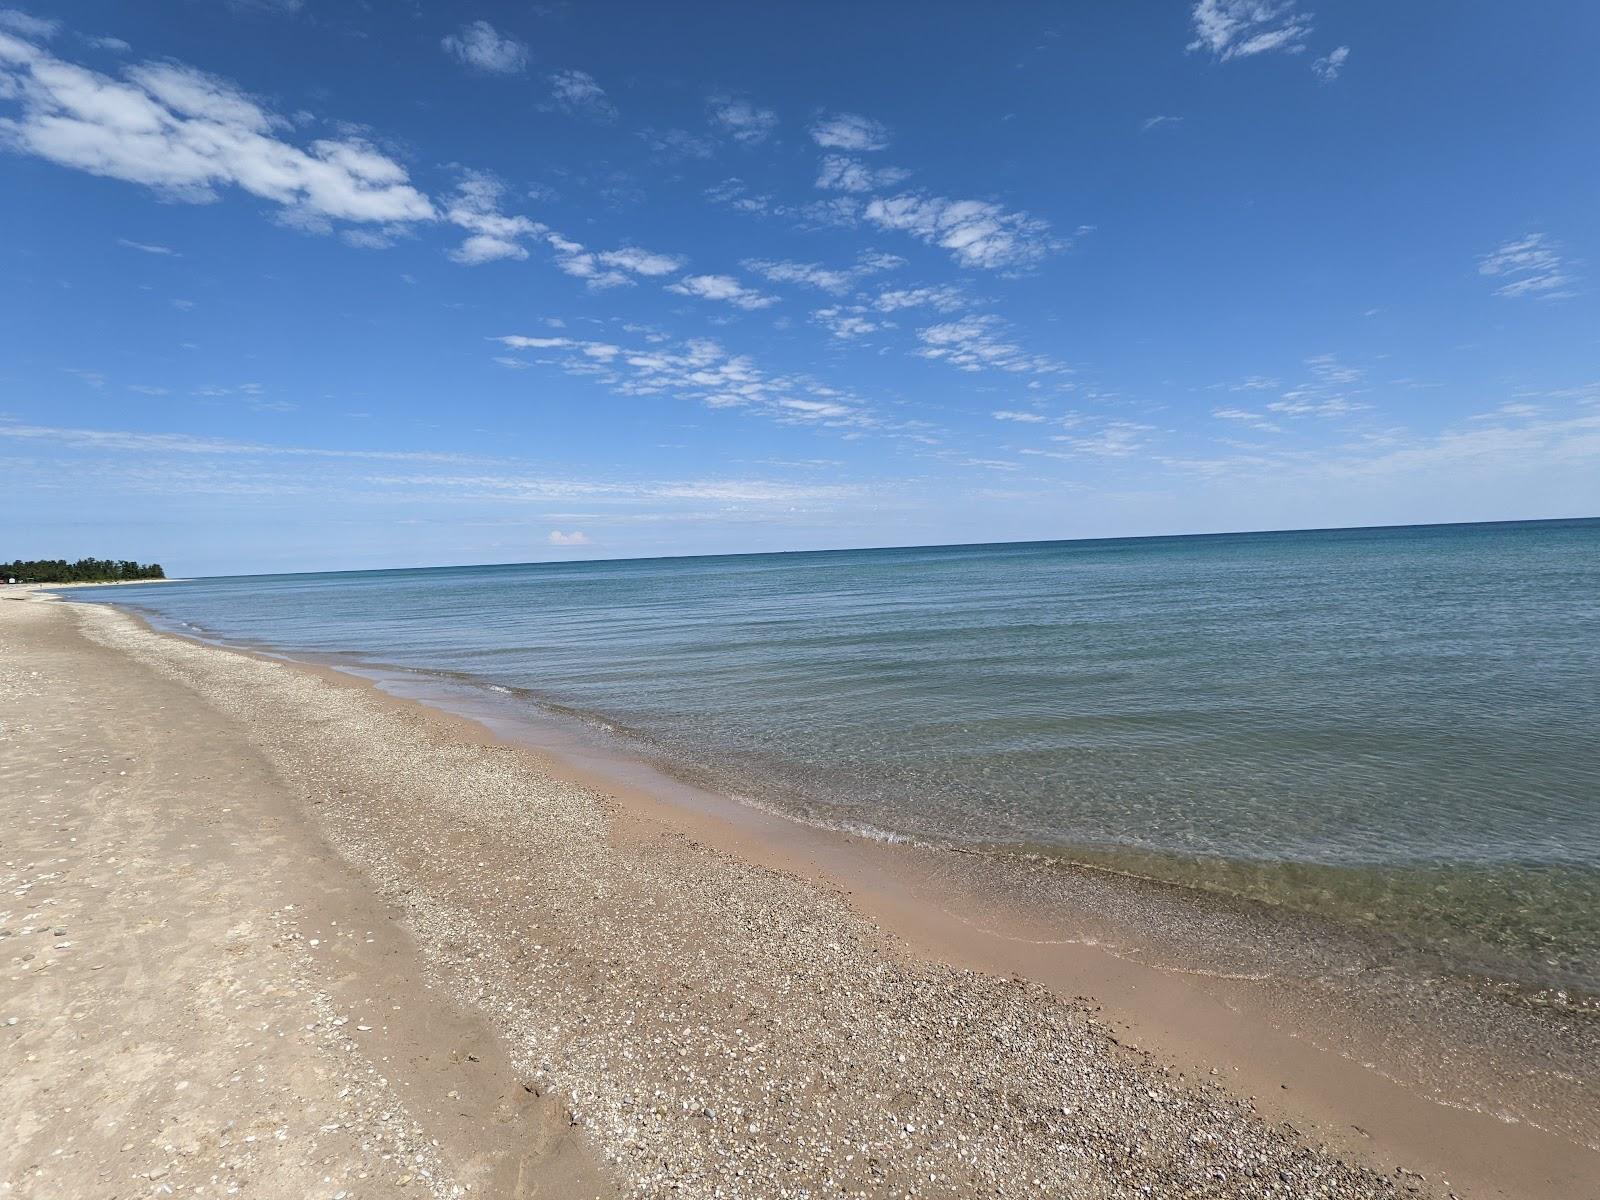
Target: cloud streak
[1532, 266]
[977, 233]
[978, 343]
[699, 370]
[1244, 28]
[577, 93]
[188, 135]
[841, 173]
[849, 131]
[744, 122]
[724, 288]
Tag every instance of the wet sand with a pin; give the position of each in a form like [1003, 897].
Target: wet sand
[666, 998]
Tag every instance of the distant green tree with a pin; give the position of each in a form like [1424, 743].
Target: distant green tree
[85, 570]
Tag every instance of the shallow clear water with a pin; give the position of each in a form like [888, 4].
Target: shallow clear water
[1397, 727]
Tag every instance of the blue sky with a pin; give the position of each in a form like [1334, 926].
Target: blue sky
[317, 285]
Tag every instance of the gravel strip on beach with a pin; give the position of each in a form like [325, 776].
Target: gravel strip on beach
[716, 1028]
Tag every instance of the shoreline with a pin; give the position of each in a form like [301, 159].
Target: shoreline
[913, 901]
[1388, 909]
[1209, 981]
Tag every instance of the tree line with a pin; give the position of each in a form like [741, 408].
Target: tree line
[85, 570]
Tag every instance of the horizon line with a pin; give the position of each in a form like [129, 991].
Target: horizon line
[1140, 537]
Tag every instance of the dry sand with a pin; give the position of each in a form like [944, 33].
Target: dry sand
[314, 942]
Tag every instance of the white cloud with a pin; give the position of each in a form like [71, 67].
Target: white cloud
[583, 264]
[187, 134]
[943, 298]
[177, 463]
[1247, 417]
[147, 247]
[699, 370]
[1241, 28]
[577, 93]
[977, 233]
[1327, 67]
[834, 211]
[277, 7]
[1530, 266]
[182, 443]
[93, 378]
[1481, 459]
[28, 26]
[841, 173]
[114, 44]
[642, 262]
[829, 279]
[1114, 439]
[722, 287]
[848, 131]
[1328, 393]
[678, 143]
[575, 538]
[976, 343]
[1515, 409]
[741, 120]
[1157, 122]
[481, 46]
[610, 268]
[1023, 418]
[494, 235]
[846, 321]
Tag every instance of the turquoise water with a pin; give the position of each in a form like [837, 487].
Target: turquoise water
[1395, 727]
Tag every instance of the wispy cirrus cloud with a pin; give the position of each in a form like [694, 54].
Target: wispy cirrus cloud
[847, 322]
[850, 131]
[577, 93]
[977, 233]
[1327, 67]
[642, 262]
[148, 247]
[941, 298]
[746, 123]
[828, 279]
[1095, 438]
[482, 47]
[841, 173]
[1247, 417]
[182, 463]
[979, 343]
[700, 370]
[723, 288]
[1243, 28]
[1332, 389]
[1531, 266]
[610, 268]
[186, 444]
[677, 144]
[188, 135]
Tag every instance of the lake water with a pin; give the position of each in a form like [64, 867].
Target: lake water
[1395, 728]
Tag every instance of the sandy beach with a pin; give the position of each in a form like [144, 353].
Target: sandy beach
[269, 931]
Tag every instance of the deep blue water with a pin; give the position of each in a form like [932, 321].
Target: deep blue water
[1400, 726]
